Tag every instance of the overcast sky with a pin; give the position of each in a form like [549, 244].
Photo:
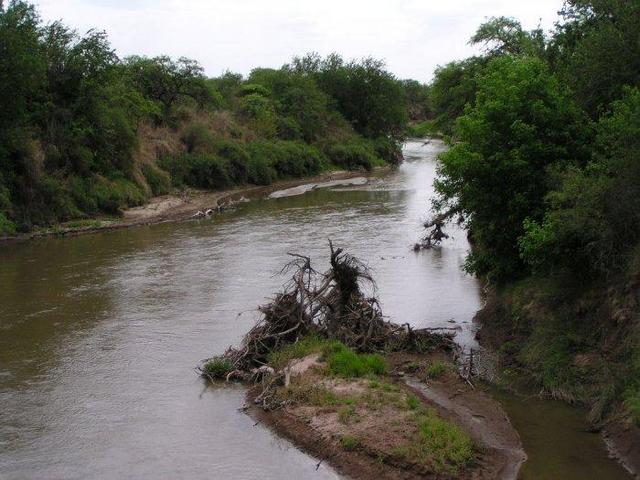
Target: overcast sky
[412, 36]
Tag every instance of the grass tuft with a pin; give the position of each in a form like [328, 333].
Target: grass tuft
[349, 442]
[442, 446]
[437, 369]
[306, 346]
[346, 363]
[217, 368]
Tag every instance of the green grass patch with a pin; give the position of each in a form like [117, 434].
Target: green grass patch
[85, 223]
[346, 363]
[437, 369]
[632, 404]
[412, 402]
[302, 348]
[217, 368]
[347, 414]
[442, 446]
[349, 442]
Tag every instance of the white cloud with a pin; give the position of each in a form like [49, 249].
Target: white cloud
[413, 36]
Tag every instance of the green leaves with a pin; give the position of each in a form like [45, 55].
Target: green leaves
[496, 175]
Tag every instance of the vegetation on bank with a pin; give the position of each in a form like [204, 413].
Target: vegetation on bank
[363, 399]
[544, 170]
[83, 132]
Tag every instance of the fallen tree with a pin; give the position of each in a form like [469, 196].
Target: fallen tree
[331, 305]
[434, 229]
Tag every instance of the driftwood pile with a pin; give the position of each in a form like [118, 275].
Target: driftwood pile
[331, 305]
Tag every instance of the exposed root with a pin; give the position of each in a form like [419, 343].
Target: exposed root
[331, 305]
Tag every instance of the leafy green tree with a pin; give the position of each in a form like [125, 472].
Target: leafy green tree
[299, 100]
[496, 176]
[418, 99]
[596, 50]
[593, 220]
[505, 36]
[453, 88]
[169, 81]
[364, 92]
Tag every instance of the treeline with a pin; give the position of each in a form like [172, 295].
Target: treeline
[544, 168]
[83, 132]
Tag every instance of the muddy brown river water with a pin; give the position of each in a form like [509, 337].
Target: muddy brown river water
[99, 334]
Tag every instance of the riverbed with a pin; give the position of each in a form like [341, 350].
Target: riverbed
[99, 334]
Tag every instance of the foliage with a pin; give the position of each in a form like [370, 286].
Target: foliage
[344, 362]
[7, 227]
[593, 220]
[436, 369]
[349, 442]
[496, 176]
[217, 368]
[158, 180]
[596, 50]
[84, 132]
[442, 446]
[365, 93]
[352, 155]
[505, 36]
[302, 348]
[453, 88]
[418, 97]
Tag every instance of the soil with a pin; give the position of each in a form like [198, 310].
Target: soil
[318, 430]
[623, 441]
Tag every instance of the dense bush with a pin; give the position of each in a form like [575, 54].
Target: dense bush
[593, 220]
[201, 170]
[288, 159]
[158, 180]
[352, 156]
[496, 176]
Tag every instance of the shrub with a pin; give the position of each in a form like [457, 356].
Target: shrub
[443, 444]
[112, 196]
[237, 160]
[7, 227]
[436, 369]
[218, 368]
[306, 346]
[387, 150]
[349, 442]
[198, 138]
[352, 156]
[412, 402]
[286, 158]
[261, 172]
[158, 180]
[198, 170]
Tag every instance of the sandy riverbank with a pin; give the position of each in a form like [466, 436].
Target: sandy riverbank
[379, 424]
[175, 208]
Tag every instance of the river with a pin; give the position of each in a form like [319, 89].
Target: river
[99, 334]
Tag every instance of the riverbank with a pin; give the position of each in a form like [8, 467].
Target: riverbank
[180, 207]
[524, 331]
[418, 420]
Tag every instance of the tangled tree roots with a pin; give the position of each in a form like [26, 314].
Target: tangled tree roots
[332, 305]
